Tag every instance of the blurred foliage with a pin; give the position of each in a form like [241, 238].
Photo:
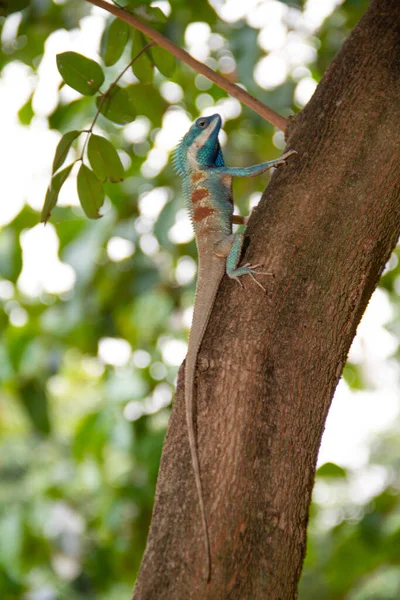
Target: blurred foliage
[81, 435]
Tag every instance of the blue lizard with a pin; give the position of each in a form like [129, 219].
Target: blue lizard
[207, 187]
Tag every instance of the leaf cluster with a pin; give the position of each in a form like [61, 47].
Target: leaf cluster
[117, 104]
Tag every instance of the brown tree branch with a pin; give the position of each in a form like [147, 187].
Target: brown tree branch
[269, 364]
[234, 90]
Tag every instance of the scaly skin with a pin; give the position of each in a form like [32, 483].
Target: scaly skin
[207, 186]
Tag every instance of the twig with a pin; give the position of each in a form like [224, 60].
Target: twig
[234, 90]
[107, 93]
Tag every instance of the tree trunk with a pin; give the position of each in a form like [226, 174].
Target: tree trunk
[270, 363]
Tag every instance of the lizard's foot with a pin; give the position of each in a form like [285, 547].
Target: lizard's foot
[283, 159]
[233, 270]
[257, 282]
[249, 269]
[254, 267]
[252, 272]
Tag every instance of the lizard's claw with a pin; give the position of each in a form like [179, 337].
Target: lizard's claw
[257, 282]
[239, 282]
[254, 267]
[252, 272]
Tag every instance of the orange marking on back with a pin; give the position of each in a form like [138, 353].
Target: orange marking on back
[201, 212]
[226, 181]
[199, 194]
[195, 177]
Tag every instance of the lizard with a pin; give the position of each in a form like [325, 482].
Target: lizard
[207, 190]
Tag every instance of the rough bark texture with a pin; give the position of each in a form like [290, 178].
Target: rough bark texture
[269, 365]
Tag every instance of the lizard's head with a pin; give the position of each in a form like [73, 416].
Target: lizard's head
[202, 140]
[200, 146]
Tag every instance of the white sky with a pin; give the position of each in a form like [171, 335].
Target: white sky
[26, 156]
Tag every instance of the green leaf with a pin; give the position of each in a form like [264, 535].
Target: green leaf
[53, 191]
[104, 159]
[163, 60]
[81, 73]
[25, 113]
[7, 7]
[142, 67]
[154, 110]
[354, 377]
[63, 148]
[12, 541]
[114, 40]
[69, 116]
[10, 259]
[90, 192]
[91, 437]
[118, 106]
[33, 396]
[331, 470]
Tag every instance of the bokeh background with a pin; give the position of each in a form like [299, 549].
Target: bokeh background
[94, 315]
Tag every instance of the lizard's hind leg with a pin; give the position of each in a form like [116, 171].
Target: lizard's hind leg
[232, 261]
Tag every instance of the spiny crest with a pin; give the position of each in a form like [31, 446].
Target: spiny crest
[178, 159]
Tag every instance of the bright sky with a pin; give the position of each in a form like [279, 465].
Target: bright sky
[354, 417]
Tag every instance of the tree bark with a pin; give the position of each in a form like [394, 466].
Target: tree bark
[269, 364]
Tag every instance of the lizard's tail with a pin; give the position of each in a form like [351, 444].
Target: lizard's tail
[196, 469]
[205, 296]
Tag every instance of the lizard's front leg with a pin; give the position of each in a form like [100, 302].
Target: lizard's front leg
[239, 220]
[255, 169]
[231, 248]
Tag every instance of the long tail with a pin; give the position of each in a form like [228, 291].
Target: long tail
[206, 291]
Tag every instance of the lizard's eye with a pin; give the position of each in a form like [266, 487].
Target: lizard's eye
[201, 123]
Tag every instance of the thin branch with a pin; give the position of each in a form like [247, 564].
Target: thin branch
[234, 90]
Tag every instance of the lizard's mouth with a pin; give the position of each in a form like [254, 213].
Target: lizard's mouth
[215, 123]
